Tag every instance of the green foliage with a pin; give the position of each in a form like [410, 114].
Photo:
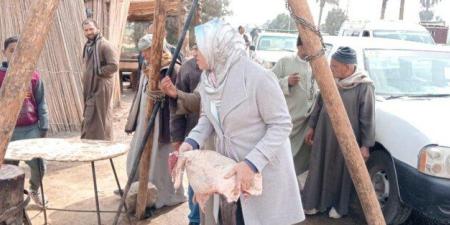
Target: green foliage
[133, 32]
[334, 21]
[215, 8]
[282, 22]
[429, 3]
[426, 15]
[172, 30]
[209, 10]
[322, 5]
[323, 2]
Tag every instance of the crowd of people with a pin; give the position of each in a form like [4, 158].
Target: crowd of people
[270, 122]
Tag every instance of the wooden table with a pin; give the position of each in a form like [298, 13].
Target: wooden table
[129, 65]
[68, 150]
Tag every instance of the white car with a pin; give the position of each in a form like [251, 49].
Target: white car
[271, 47]
[399, 30]
[410, 163]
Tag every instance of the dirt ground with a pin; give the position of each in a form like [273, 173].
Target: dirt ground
[70, 186]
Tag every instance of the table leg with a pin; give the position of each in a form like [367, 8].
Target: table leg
[96, 193]
[115, 176]
[41, 179]
[26, 219]
[121, 82]
[120, 189]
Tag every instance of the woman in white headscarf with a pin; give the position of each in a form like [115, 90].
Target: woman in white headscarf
[243, 104]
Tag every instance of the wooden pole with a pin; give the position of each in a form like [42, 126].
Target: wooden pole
[383, 9]
[402, 10]
[159, 22]
[338, 117]
[22, 65]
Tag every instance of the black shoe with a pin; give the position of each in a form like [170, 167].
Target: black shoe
[149, 212]
[118, 192]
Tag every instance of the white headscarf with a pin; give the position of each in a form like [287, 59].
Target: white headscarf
[222, 47]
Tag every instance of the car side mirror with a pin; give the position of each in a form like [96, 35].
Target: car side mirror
[252, 48]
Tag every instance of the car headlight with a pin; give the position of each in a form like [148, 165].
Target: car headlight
[435, 161]
[268, 65]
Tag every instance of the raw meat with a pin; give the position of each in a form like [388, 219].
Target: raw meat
[206, 171]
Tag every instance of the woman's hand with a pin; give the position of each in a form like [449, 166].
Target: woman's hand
[176, 145]
[309, 138]
[168, 87]
[185, 147]
[173, 156]
[244, 177]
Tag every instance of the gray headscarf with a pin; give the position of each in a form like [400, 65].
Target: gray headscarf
[222, 47]
[146, 41]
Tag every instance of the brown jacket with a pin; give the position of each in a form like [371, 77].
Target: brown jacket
[187, 81]
[98, 92]
[188, 102]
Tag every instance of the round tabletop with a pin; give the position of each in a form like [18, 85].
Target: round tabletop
[64, 150]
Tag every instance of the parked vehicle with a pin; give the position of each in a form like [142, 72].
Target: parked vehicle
[387, 29]
[410, 163]
[439, 31]
[270, 47]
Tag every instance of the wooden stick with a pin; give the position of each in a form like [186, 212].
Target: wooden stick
[339, 118]
[159, 22]
[22, 65]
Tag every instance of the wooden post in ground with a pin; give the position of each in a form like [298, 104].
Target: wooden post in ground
[22, 65]
[159, 22]
[11, 193]
[339, 118]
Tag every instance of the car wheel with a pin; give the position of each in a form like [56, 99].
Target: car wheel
[384, 180]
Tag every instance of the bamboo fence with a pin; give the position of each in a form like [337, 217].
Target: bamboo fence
[60, 63]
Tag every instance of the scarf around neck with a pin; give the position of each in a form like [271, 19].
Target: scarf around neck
[357, 78]
[92, 48]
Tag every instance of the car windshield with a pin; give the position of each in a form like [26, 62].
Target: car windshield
[422, 37]
[409, 72]
[277, 43]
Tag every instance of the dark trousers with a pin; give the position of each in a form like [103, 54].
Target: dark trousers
[194, 215]
[231, 213]
[239, 216]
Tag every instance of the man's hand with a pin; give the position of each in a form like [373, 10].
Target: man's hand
[293, 79]
[168, 87]
[244, 177]
[185, 147]
[365, 153]
[309, 138]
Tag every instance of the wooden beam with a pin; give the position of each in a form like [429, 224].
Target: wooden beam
[143, 10]
[22, 66]
[153, 85]
[338, 116]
